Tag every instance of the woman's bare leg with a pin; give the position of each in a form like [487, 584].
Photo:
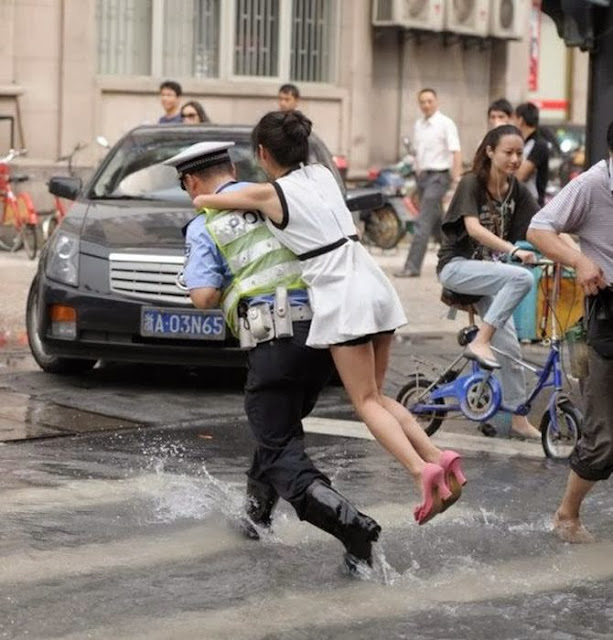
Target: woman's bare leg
[411, 428]
[356, 367]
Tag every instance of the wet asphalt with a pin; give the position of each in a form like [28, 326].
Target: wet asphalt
[121, 489]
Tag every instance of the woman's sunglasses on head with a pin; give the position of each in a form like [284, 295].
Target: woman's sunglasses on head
[189, 115]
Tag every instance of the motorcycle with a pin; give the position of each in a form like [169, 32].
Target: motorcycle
[387, 225]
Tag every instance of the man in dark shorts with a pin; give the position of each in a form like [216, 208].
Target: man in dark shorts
[585, 208]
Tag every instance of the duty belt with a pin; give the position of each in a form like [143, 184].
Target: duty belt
[261, 323]
[300, 312]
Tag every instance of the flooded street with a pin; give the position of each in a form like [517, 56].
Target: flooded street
[132, 534]
[121, 491]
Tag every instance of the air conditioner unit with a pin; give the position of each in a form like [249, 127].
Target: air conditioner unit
[507, 19]
[409, 14]
[468, 17]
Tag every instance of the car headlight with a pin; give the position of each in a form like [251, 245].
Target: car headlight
[63, 258]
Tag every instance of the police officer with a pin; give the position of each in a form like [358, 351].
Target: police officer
[234, 262]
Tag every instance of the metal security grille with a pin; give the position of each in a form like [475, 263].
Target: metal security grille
[313, 26]
[279, 39]
[256, 38]
[191, 38]
[124, 36]
[146, 277]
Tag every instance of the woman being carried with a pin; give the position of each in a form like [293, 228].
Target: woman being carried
[491, 210]
[355, 308]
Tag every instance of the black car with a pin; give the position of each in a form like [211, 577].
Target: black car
[107, 283]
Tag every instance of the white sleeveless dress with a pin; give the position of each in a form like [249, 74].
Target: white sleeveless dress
[350, 295]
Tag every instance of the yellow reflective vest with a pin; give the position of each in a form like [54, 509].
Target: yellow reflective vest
[259, 263]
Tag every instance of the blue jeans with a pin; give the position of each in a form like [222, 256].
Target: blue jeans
[502, 287]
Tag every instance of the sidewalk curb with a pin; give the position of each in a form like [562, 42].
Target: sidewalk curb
[445, 440]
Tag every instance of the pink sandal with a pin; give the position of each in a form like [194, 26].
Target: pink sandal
[435, 492]
[454, 477]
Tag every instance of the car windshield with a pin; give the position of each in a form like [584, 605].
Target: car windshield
[135, 170]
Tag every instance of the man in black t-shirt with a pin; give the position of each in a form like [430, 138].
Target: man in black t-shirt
[534, 169]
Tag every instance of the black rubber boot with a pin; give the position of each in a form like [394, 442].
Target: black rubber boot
[261, 500]
[330, 511]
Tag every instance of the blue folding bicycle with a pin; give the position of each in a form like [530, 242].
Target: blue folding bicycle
[466, 388]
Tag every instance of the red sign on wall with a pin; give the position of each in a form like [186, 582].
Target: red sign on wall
[535, 37]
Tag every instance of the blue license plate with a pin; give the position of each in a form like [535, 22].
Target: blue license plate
[188, 324]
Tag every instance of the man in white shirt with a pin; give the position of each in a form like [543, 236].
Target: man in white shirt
[439, 162]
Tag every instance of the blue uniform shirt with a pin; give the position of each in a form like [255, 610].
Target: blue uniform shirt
[205, 264]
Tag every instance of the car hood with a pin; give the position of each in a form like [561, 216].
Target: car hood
[130, 224]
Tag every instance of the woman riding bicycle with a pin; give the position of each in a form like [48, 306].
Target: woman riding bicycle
[490, 211]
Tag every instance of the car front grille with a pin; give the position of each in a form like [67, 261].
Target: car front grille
[147, 277]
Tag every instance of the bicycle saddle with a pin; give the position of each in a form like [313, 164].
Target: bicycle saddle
[458, 300]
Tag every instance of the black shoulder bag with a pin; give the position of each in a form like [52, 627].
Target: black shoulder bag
[599, 314]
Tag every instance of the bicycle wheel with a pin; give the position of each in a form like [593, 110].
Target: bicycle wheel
[559, 443]
[410, 395]
[10, 236]
[481, 398]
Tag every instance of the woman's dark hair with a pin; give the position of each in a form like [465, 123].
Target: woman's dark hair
[198, 108]
[482, 162]
[286, 136]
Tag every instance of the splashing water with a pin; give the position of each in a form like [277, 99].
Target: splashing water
[192, 496]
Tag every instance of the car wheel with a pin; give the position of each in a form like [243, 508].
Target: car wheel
[47, 362]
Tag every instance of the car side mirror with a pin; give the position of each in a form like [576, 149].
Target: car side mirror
[363, 199]
[68, 187]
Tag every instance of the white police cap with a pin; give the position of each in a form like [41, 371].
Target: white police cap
[200, 156]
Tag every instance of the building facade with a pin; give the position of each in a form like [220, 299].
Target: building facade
[71, 70]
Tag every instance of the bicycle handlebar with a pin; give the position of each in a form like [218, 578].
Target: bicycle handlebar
[542, 262]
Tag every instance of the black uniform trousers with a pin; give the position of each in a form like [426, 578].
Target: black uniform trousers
[284, 380]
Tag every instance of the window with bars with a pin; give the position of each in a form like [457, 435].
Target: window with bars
[313, 35]
[256, 38]
[191, 39]
[277, 39]
[124, 36]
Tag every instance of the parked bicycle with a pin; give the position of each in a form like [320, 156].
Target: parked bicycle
[477, 394]
[19, 220]
[61, 206]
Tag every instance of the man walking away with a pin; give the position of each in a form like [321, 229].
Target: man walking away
[534, 170]
[585, 208]
[438, 161]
